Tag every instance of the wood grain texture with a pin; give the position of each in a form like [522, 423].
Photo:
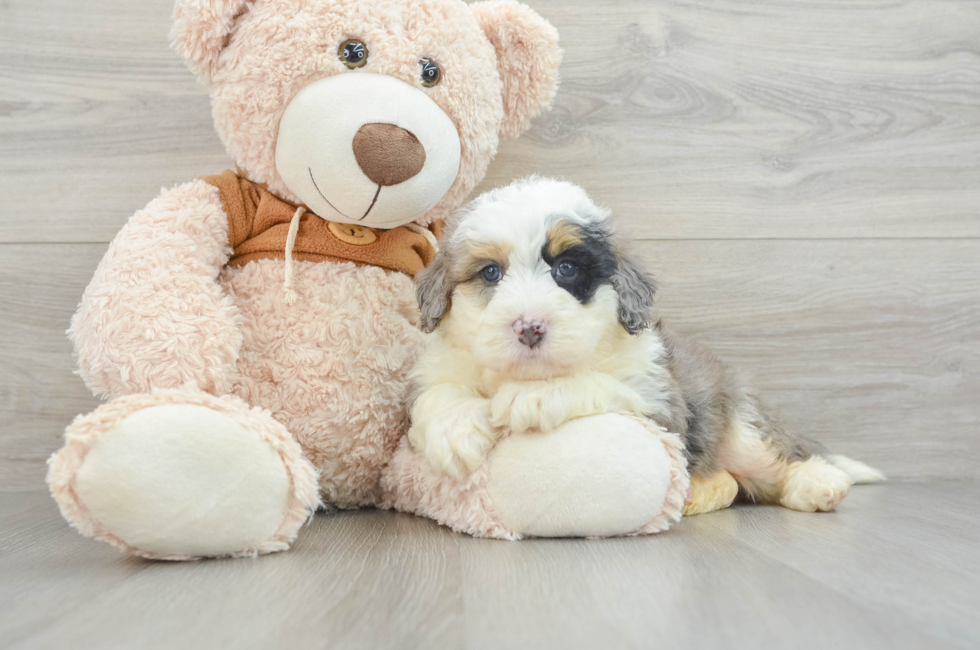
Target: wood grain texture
[767, 119]
[40, 286]
[693, 119]
[872, 347]
[895, 567]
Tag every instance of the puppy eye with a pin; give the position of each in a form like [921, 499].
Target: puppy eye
[566, 269]
[491, 273]
[353, 53]
[431, 74]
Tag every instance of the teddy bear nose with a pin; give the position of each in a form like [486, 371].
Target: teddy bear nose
[388, 154]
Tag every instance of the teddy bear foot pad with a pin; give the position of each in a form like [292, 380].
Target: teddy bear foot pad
[182, 476]
[600, 476]
[574, 483]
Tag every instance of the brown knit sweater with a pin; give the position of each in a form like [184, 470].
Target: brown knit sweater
[258, 223]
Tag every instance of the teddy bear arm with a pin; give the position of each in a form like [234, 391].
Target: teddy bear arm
[153, 316]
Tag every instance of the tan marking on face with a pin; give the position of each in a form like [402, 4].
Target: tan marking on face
[467, 266]
[478, 255]
[491, 250]
[562, 236]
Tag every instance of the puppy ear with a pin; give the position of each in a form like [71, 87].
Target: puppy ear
[433, 288]
[636, 289]
[201, 30]
[527, 59]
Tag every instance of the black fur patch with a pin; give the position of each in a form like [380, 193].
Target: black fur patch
[596, 261]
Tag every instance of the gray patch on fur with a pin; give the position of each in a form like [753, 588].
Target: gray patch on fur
[433, 288]
[788, 445]
[708, 400]
[636, 290]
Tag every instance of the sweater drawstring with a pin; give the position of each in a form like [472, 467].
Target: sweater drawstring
[289, 293]
[425, 232]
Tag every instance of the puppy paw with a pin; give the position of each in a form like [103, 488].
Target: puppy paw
[457, 442]
[814, 485]
[530, 405]
[509, 408]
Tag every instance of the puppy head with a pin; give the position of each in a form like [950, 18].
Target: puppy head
[531, 280]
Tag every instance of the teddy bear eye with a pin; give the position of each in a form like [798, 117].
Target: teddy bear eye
[353, 53]
[431, 74]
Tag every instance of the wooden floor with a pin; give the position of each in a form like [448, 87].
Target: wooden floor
[804, 178]
[896, 567]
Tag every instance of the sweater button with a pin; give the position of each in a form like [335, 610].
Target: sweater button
[352, 234]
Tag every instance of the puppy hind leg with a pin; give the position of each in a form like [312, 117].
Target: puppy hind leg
[814, 485]
[770, 471]
[749, 457]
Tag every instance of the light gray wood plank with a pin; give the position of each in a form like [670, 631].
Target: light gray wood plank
[910, 542]
[96, 115]
[350, 579]
[872, 575]
[872, 347]
[40, 286]
[14, 503]
[769, 119]
[684, 589]
[391, 580]
[693, 120]
[49, 569]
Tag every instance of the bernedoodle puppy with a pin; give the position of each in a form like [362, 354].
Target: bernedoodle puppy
[540, 317]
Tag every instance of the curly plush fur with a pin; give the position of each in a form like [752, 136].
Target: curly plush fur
[153, 315]
[333, 367]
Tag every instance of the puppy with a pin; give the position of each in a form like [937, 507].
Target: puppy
[538, 317]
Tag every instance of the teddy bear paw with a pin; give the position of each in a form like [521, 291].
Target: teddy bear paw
[170, 480]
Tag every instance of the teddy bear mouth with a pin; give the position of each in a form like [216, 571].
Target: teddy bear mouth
[370, 207]
[373, 201]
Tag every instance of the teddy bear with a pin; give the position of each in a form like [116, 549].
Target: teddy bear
[253, 330]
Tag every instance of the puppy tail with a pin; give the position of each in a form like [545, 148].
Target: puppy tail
[858, 471]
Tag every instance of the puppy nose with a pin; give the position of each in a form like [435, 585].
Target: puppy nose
[529, 332]
[388, 154]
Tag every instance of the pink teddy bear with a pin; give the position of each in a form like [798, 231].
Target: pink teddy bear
[253, 331]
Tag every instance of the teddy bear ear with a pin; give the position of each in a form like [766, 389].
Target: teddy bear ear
[201, 30]
[527, 59]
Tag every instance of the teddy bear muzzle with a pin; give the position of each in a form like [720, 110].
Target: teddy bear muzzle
[367, 149]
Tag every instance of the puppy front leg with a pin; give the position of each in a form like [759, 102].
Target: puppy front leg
[451, 428]
[546, 405]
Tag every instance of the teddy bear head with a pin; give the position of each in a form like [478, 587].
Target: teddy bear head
[377, 112]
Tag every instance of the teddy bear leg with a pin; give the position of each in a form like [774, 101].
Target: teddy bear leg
[181, 474]
[710, 493]
[596, 476]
